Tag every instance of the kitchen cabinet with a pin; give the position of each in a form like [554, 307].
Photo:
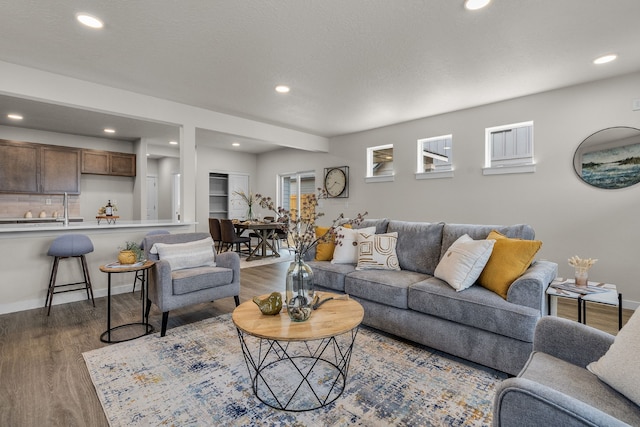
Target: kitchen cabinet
[101, 162]
[38, 169]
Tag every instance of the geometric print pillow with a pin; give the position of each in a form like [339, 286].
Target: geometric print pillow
[377, 251]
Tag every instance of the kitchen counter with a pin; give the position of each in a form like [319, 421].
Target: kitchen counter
[21, 220]
[75, 225]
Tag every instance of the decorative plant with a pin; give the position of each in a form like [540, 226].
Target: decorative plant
[135, 248]
[581, 264]
[301, 230]
[249, 199]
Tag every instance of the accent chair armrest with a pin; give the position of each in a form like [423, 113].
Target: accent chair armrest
[230, 260]
[160, 278]
[570, 341]
[529, 289]
[520, 401]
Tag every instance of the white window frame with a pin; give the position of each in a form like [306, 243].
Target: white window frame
[517, 156]
[443, 158]
[370, 175]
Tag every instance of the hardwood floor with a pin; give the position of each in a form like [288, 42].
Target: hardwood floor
[43, 377]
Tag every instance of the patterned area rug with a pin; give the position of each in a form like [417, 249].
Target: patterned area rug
[196, 375]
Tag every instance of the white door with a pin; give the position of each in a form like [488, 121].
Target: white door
[237, 207]
[152, 197]
[175, 197]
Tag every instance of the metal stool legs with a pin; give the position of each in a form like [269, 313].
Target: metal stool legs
[52, 282]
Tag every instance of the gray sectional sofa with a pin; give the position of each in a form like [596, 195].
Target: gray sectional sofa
[475, 324]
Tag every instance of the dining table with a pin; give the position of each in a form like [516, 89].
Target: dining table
[264, 231]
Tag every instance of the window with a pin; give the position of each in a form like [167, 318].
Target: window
[435, 157]
[509, 149]
[380, 163]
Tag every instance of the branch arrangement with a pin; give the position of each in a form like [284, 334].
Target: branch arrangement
[301, 227]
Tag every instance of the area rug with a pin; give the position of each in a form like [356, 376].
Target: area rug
[285, 256]
[196, 376]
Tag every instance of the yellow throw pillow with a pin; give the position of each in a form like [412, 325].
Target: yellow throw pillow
[326, 246]
[509, 259]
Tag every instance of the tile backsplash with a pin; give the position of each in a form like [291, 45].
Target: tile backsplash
[17, 205]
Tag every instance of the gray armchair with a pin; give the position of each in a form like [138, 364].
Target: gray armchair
[171, 289]
[555, 389]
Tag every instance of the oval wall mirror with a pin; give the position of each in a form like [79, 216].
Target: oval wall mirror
[609, 158]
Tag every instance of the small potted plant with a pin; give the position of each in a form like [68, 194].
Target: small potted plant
[130, 254]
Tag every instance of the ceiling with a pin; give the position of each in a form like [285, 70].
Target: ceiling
[352, 65]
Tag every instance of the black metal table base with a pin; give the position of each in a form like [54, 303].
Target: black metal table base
[298, 375]
[148, 328]
[106, 335]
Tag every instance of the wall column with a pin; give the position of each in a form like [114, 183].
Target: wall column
[188, 169]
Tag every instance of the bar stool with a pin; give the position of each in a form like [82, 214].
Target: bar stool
[69, 246]
[140, 273]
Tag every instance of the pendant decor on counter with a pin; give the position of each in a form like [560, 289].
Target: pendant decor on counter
[299, 290]
[108, 210]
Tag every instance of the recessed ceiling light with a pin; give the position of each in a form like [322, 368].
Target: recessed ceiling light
[89, 21]
[108, 130]
[475, 4]
[282, 89]
[236, 144]
[14, 116]
[604, 59]
[173, 142]
[147, 154]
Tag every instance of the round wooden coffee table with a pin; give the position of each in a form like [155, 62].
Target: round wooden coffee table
[298, 366]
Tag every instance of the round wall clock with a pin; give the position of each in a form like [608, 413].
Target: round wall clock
[336, 181]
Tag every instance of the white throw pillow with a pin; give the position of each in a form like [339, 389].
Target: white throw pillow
[346, 251]
[198, 253]
[377, 251]
[619, 366]
[463, 262]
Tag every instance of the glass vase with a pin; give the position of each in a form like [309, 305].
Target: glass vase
[299, 290]
[582, 277]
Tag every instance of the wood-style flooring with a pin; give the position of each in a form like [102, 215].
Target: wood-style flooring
[43, 377]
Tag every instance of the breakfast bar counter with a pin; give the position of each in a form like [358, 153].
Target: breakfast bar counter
[26, 266]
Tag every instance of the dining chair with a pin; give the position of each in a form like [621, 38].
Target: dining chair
[216, 233]
[231, 238]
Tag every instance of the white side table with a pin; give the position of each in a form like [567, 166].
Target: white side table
[610, 297]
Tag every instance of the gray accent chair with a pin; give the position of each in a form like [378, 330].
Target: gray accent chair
[170, 290]
[555, 389]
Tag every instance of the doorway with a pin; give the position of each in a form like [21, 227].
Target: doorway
[152, 197]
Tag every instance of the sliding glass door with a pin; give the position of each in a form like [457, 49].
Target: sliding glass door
[294, 190]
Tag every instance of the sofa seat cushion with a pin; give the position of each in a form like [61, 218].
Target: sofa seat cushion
[476, 306]
[387, 287]
[418, 246]
[198, 278]
[329, 275]
[580, 384]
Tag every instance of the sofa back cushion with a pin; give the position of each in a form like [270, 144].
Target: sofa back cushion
[380, 224]
[452, 232]
[418, 246]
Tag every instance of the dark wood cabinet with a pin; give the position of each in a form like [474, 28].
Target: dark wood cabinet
[59, 170]
[101, 162]
[18, 167]
[38, 169]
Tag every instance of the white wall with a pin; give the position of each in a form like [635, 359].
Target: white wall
[569, 216]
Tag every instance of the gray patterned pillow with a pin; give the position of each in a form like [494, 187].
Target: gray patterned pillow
[377, 251]
[198, 253]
